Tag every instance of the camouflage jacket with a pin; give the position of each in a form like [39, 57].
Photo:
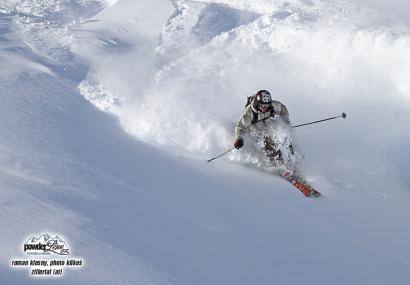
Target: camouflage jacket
[252, 114]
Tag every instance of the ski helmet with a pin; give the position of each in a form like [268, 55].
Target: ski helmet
[263, 98]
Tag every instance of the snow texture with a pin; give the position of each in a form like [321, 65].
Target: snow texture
[109, 110]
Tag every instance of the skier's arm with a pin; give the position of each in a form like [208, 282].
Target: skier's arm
[244, 122]
[282, 111]
[285, 114]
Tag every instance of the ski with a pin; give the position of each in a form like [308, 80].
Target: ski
[300, 184]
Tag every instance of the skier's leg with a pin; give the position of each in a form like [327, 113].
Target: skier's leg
[271, 150]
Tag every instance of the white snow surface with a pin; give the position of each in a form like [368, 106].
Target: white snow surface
[109, 110]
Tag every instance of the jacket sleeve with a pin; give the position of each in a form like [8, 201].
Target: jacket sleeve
[282, 111]
[244, 122]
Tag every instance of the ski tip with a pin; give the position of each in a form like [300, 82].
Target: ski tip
[344, 115]
[315, 194]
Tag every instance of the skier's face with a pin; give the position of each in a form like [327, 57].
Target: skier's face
[264, 107]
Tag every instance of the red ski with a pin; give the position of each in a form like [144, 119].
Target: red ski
[300, 184]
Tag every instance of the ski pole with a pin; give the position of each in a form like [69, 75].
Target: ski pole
[343, 115]
[220, 154]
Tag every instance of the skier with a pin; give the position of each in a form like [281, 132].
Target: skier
[259, 108]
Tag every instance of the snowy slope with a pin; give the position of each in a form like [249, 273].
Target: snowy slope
[330, 56]
[129, 188]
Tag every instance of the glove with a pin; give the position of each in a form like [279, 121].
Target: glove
[238, 143]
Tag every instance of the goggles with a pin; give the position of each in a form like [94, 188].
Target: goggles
[264, 105]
